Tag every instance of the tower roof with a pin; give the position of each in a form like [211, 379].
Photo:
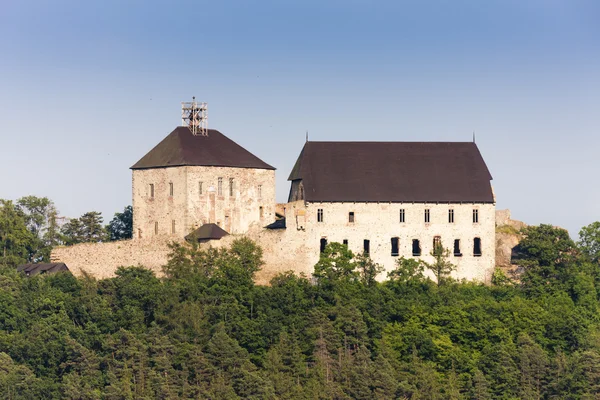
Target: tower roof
[181, 148]
[393, 171]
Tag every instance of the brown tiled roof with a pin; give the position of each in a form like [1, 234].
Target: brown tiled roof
[42, 268]
[207, 232]
[183, 148]
[393, 171]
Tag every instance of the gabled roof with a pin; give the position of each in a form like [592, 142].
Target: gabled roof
[207, 232]
[393, 172]
[181, 147]
[42, 268]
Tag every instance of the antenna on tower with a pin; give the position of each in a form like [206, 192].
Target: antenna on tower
[194, 115]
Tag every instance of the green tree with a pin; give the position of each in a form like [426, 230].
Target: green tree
[40, 215]
[121, 226]
[85, 229]
[407, 271]
[16, 241]
[548, 256]
[441, 267]
[589, 241]
[336, 263]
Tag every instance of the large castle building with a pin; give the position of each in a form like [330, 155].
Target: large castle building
[385, 199]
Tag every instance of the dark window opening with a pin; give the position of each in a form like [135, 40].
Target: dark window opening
[320, 215]
[477, 247]
[345, 242]
[395, 251]
[451, 216]
[351, 216]
[427, 215]
[367, 246]
[152, 190]
[475, 216]
[457, 252]
[323, 244]
[402, 215]
[416, 247]
[260, 212]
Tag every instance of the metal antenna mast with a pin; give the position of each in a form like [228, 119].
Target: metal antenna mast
[194, 115]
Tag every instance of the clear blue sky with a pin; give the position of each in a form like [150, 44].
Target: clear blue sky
[87, 88]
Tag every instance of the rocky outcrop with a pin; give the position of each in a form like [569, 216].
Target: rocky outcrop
[507, 238]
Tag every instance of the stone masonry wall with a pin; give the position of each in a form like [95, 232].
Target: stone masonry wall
[101, 260]
[380, 222]
[297, 247]
[189, 208]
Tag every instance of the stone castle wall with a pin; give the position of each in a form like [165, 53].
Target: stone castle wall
[380, 222]
[101, 260]
[297, 247]
[198, 198]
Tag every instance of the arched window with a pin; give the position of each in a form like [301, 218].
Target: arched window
[416, 247]
[457, 252]
[437, 245]
[323, 244]
[395, 246]
[477, 247]
[367, 246]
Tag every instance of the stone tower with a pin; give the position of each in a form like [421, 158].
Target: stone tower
[189, 180]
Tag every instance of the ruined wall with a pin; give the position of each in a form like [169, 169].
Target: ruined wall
[154, 215]
[101, 260]
[253, 189]
[196, 199]
[380, 222]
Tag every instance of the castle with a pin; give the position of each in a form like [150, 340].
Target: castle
[386, 199]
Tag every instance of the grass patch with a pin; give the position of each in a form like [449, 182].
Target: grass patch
[511, 230]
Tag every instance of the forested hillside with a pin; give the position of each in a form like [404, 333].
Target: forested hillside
[206, 330]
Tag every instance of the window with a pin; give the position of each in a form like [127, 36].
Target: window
[220, 186]
[320, 215]
[260, 191]
[427, 215]
[416, 247]
[457, 252]
[395, 252]
[367, 246]
[156, 228]
[200, 188]
[437, 245]
[152, 190]
[323, 244]
[231, 187]
[451, 216]
[351, 216]
[173, 226]
[260, 211]
[477, 247]
[402, 215]
[171, 189]
[345, 242]
[475, 216]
